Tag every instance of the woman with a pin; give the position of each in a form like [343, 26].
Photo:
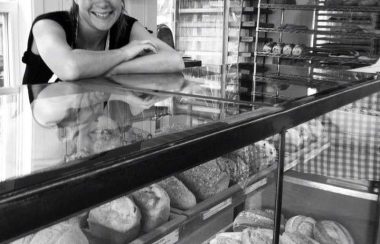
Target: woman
[95, 38]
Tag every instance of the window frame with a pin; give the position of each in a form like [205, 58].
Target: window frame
[11, 42]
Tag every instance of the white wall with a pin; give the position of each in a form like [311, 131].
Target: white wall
[143, 10]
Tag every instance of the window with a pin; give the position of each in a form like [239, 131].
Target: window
[9, 54]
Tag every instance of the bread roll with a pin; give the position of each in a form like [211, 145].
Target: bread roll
[154, 204]
[257, 236]
[205, 180]
[296, 238]
[327, 232]
[277, 49]
[302, 224]
[180, 196]
[288, 48]
[117, 221]
[59, 234]
[298, 50]
[237, 168]
[268, 47]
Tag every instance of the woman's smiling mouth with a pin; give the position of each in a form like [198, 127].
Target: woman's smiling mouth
[102, 15]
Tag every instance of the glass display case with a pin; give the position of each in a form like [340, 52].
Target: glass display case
[103, 149]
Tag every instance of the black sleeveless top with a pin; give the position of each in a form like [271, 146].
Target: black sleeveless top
[38, 72]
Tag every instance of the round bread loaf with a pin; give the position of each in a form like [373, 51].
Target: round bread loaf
[227, 238]
[255, 218]
[205, 180]
[180, 196]
[288, 48]
[278, 48]
[236, 168]
[328, 232]
[257, 236]
[296, 238]
[265, 154]
[302, 224]
[154, 204]
[59, 234]
[119, 216]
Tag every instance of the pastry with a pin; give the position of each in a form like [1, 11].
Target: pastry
[327, 232]
[302, 224]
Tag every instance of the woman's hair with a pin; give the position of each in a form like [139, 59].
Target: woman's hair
[121, 23]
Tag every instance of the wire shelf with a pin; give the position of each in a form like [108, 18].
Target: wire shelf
[321, 7]
[352, 35]
[319, 58]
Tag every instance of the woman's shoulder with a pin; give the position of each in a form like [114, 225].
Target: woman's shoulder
[62, 17]
[129, 19]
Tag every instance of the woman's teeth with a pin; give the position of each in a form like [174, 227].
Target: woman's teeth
[102, 15]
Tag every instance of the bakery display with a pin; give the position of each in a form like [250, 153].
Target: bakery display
[327, 232]
[206, 180]
[154, 204]
[117, 221]
[301, 224]
[180, 196]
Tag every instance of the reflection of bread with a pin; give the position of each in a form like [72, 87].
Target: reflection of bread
[60, 234]
[154, 204]
[206, 180]
[277, 49]
[180, 196]
[120, 215]
[292, 139]
[257, 236]
[327, 232]
[302, 224]
[296, 238]
[298, 50]
[268, 47]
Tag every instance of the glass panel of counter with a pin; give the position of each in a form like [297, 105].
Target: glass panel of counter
[55, 125]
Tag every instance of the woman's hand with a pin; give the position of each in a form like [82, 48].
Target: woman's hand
[138, 48]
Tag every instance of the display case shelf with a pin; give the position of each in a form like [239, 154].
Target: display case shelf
[357, 35]
[321, 7]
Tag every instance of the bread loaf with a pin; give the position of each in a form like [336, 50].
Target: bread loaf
[292, 139]
[237, 168]
[154, 204]
[180, 196]
[296, 238]
[117, 221]
[205, 180]
[255, 218]
[227, 238]
[265, 154]
[302, 224]
[327, 232]
[257, 236]
[59, 234]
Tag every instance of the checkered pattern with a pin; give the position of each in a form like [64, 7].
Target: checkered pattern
[354, 134]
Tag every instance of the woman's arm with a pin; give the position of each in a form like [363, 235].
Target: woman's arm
[72, 64]
[165, 60]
